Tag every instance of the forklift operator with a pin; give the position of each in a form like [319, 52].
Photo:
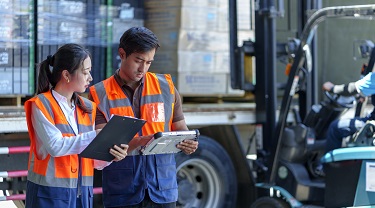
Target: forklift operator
[342, 128]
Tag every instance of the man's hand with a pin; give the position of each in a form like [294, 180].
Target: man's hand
[328, 86]
[140, 141]
[188, 146]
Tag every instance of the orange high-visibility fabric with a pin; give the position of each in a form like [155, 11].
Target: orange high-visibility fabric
[152, 112]
[64, 166]
[113, 92]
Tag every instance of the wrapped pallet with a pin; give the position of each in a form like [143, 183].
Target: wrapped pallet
[16, 49]
[194, 39]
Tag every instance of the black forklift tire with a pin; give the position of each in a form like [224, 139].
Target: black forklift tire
[270, 202]
[206, 178]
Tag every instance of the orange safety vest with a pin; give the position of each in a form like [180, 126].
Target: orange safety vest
[156, 104]
[59, 171]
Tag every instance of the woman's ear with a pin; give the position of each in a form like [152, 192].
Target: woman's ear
[66, 76]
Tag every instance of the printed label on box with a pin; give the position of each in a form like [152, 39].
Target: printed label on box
[202, 84]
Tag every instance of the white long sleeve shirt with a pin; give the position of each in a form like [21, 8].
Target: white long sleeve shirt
[49, 139]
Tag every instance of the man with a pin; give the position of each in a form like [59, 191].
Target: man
[342, 128]
[141, 181]
[345, 127]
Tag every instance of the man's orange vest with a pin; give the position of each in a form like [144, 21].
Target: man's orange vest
[157, 101]
[124, 181]
[59, 171]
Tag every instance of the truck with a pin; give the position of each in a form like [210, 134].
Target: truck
[238, 133]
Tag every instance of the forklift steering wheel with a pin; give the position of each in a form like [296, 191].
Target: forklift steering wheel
[340, 100]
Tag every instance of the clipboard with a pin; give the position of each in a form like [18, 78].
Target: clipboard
[165, 142]
[118, 130]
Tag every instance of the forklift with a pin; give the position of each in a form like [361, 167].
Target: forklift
[284, 174]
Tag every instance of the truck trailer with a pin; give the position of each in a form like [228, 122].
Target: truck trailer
[238, 127]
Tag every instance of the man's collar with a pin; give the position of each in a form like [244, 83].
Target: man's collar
[120, 81]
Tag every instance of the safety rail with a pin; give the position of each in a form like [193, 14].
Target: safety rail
[14, 150]
[13, 174]
[22, 173]
[97, 190]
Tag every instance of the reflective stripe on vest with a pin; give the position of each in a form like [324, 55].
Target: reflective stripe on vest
[157, 101]
[59, 171]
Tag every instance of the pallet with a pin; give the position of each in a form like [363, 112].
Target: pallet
[13, 100]
[247, 97]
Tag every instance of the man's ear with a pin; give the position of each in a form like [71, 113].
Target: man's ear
[122, 53]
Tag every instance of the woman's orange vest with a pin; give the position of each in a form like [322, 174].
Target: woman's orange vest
[156, 104]
[59, 171]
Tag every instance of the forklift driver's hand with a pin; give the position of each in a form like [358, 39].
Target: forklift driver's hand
[328, 86]
[188, 146]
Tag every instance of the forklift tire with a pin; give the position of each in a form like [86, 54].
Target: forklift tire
[269, 202]
[206, 178]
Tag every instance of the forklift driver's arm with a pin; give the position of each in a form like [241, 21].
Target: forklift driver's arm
[343, 89]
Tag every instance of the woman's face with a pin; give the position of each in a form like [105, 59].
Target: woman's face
[82, 77]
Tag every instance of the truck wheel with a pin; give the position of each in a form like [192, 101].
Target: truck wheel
[269, 202]
[206, 178]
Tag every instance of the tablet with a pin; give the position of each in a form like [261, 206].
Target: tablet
[165, 142]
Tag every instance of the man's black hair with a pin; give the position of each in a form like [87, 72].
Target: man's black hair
[138, 40]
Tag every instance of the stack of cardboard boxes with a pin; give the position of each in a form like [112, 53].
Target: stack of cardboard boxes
[194, 39]
[83, 22]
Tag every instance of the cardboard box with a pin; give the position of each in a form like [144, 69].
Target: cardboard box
[203, 40]
[196, 61]
[120, 26]
[196, 18]
[202, 84]
[168, 39]
[165, 61]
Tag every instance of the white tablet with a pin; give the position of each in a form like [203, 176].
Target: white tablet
[165, 142]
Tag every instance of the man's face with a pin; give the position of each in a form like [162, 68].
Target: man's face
[134, 67]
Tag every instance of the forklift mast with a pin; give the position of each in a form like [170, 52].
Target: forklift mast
[265, 49]
[301, 82]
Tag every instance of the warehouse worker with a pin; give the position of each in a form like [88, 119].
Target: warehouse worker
[341, 128]
[61, 125]
[141, 181]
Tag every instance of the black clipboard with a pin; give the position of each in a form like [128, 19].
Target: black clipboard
[165, 142]
[118, 130]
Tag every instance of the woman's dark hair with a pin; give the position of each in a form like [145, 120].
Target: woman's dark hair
[68, 57]
[138, 40]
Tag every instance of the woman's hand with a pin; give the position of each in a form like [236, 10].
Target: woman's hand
[97, 131]
[119, 152]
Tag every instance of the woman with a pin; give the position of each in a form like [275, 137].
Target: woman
[61, 125]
